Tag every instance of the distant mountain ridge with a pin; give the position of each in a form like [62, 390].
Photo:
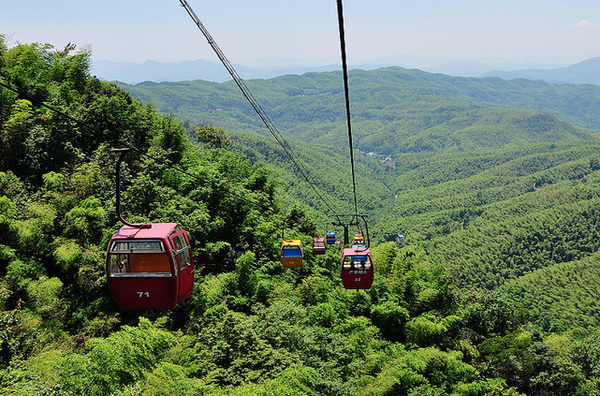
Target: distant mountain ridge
[586, 72]
[133, 73]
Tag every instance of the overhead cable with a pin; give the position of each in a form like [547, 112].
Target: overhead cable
[255, 104]
[347, 96]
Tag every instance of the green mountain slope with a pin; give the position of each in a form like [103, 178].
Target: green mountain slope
[421, 127]
[389, 107]
[495, 218]
[533, 211]
[330, 190]
[563, 296]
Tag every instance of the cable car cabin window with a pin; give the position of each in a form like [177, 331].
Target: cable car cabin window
[139, 258]
[291, 251]
[181, 247]
[179, 242]
[186, 258]
[357, 262]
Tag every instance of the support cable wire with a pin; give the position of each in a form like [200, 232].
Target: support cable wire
[254, 103]
[346, 91]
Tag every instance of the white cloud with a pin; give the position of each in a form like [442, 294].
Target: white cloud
[585, 24]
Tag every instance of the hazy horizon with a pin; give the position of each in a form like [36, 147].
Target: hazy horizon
[541, 32]
[151, 70]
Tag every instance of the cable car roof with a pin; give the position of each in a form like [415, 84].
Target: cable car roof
[356, 252]
[156, 230]
[292, 243]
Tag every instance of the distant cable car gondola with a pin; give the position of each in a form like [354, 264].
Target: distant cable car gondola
[358, 242]
[357, 268]
[148, 266]
[292, 253]
[319, 246]
[330, 236]
[359, 239]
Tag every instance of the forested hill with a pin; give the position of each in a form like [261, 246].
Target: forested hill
[491, 177]
[470, 303]
[451, 152]
[394, 110]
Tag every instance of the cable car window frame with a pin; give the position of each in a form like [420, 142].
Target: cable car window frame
[292, 250]
[186, 259]
[352, 262]
[117, 242]
[176, 238]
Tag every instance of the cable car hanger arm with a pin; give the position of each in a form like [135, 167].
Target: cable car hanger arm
[122, 152]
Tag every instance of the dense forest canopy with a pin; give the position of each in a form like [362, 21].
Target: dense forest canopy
[408, 125]
[394, 110]
[497, 202]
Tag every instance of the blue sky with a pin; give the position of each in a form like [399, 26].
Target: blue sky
[161, 30]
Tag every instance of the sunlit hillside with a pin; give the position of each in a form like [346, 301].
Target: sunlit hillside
[490, 290]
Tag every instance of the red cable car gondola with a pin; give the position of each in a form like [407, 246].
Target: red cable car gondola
[319, 246]
[357, 268]
[148, 266]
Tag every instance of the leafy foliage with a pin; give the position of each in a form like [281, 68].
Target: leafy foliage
[490, 291]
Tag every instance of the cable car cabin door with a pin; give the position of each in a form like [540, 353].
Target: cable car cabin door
[183, 259]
